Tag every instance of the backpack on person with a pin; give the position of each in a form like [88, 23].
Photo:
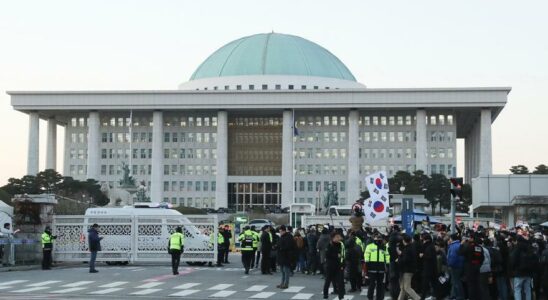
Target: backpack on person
[528, 260]
[496, 260]
[477, 255]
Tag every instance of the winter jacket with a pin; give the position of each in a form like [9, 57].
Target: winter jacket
[407, 261]
[94, 240]
[322, 244]
[286, 249]
[312, 241]
[454, 259]
[429, 260]
[353, 254]
[266, 243]
[473, 256]
[334, 257]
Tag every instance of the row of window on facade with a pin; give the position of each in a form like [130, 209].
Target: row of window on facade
[257, 155]
[199, 202]
[189, 170]
[146, 153]
[255, 121]
[326, 137]
[316, 186]
[256, 137]
[146, 137]
[255, 170]
[391, 170]
[319, 153]
[318, 200]
[190, 137]
[318, 169]
[117, 169]
[77, 170]
[190, 186]
[137, 121]
[251, 87]
[434, 152]
[190, 153]
[401, 120]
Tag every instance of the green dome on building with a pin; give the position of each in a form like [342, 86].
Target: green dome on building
[272, 54]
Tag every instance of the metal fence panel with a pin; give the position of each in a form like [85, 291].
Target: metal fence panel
[135, 238]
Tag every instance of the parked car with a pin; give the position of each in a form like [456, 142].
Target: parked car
[260, 223]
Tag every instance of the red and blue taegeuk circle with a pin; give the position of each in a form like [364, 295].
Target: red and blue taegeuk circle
[378, 206]
[378, 183]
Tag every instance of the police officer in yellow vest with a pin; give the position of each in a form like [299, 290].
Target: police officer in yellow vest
[47, 247]
[376, 259]
[246, 239]
[220, 246]
[176, 247]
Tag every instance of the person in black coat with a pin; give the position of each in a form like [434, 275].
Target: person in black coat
[429, 264]
[334, 265]
[227, 236]
[407, 265]
[393, 272]
[94, 246]
[274, 253]
[353, 258]
[266, 248]
[312, 251]
[472, 252]
[286, 254]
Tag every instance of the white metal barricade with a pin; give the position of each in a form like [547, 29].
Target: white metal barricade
[135, 238]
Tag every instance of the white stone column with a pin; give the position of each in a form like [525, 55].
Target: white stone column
[156, 182]
[467, 160]
[51, 147]
[421, 146]
[485, 155]
[33, 153]
[221, 192]
[287, 159]
[94, 145]
[353, 186]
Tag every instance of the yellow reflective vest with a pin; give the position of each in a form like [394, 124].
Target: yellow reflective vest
[375, 258]
[246, 240]
[256, 240]
[176, 241]
[47, 241]
[220, 239]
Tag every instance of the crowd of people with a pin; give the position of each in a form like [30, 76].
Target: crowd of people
[479, 263]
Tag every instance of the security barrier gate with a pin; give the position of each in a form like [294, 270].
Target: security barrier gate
[133, 238]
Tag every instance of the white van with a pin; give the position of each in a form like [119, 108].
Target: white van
[151, 233]
[339, 210]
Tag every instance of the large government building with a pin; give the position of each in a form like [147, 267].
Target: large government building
[266, 120]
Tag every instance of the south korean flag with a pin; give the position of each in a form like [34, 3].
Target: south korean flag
[376, 208]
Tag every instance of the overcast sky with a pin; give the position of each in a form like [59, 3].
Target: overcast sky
[124, 45]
